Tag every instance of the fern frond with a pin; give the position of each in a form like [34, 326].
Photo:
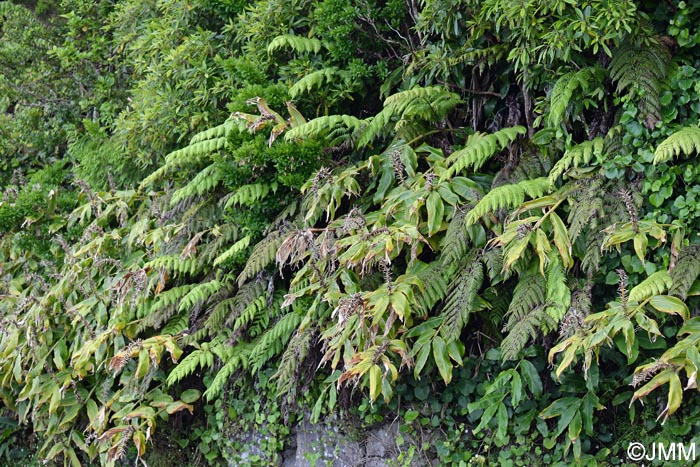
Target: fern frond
[656, 284]
[204, 182]
[426, 103]
[232, 251]
[462, 300]
[191, 155]
[231, 308]
[523, 330]
[587, 204]
[273, 341]
[298, 44]
[686, 271]
[292, 359]
[479, 148]
[249, 195]
[507, 196]
[529, 293]
[455, 245]
[563, 91]
[641, 69]
[591, 260]
[173, 264]
[220, 131]
[264, 254]
[177, 324]
[434, 288]
[315, 79]
[582, 153]
[322, 126]
[685, 141]
[558, 296]
[199, 294]
[220, 236]
[237, 358]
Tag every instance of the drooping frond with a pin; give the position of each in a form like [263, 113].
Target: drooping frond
[641, 69]
[529, 293]
[204, 182]
[686, 271]
[173, 264]
[249, 195]
[685, 141]
[199, 294]
[522, 331]
[582, 153]
[313, 80]
[479, 148]
[507, 196]
[456, 241]
[292, 360]
[188, 156]
[231, 308]
[233, 250]
[296, 43]
[201, 358]
[334, 125]
[263, 254]
[434, 288]
[273, 341]
[656, 284]
[462, 299]
[420, 103]
[558, 296]
[587, 205]
[564, 89]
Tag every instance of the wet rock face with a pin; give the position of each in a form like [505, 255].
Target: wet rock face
[327, 444]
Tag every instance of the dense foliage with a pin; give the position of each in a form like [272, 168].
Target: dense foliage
[480, 216]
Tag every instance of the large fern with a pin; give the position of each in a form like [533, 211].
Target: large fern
[479, 148]
[685, 141]
[507, 196]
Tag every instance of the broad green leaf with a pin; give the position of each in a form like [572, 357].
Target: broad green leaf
[442, 359]
[670, 304]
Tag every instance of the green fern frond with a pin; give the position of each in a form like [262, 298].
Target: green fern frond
[433, 291]
[479, 148]
[523, 330]
[656, 284]
[426, 103]
[264, 254]
[292, 359]
[173, 264]
[231, 308]
[219, 131]
[263, 318]
[686, 271]
[493, 261]
[204, 182]
[586, 206]
[191, 155]
[273, 341]
[640, 69]
[324, 125]
[685, 141]
[529, 293]
[199, 294]
[177, 324]
[219, 238]
[249, 195]
[455, 245]
[507, 196]
[564, 89]
[558, 296]
[462, 300]
[237, 358]
[582, 153]
[591, 259]
[232, 251]
[296, 43]
[315, 79]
